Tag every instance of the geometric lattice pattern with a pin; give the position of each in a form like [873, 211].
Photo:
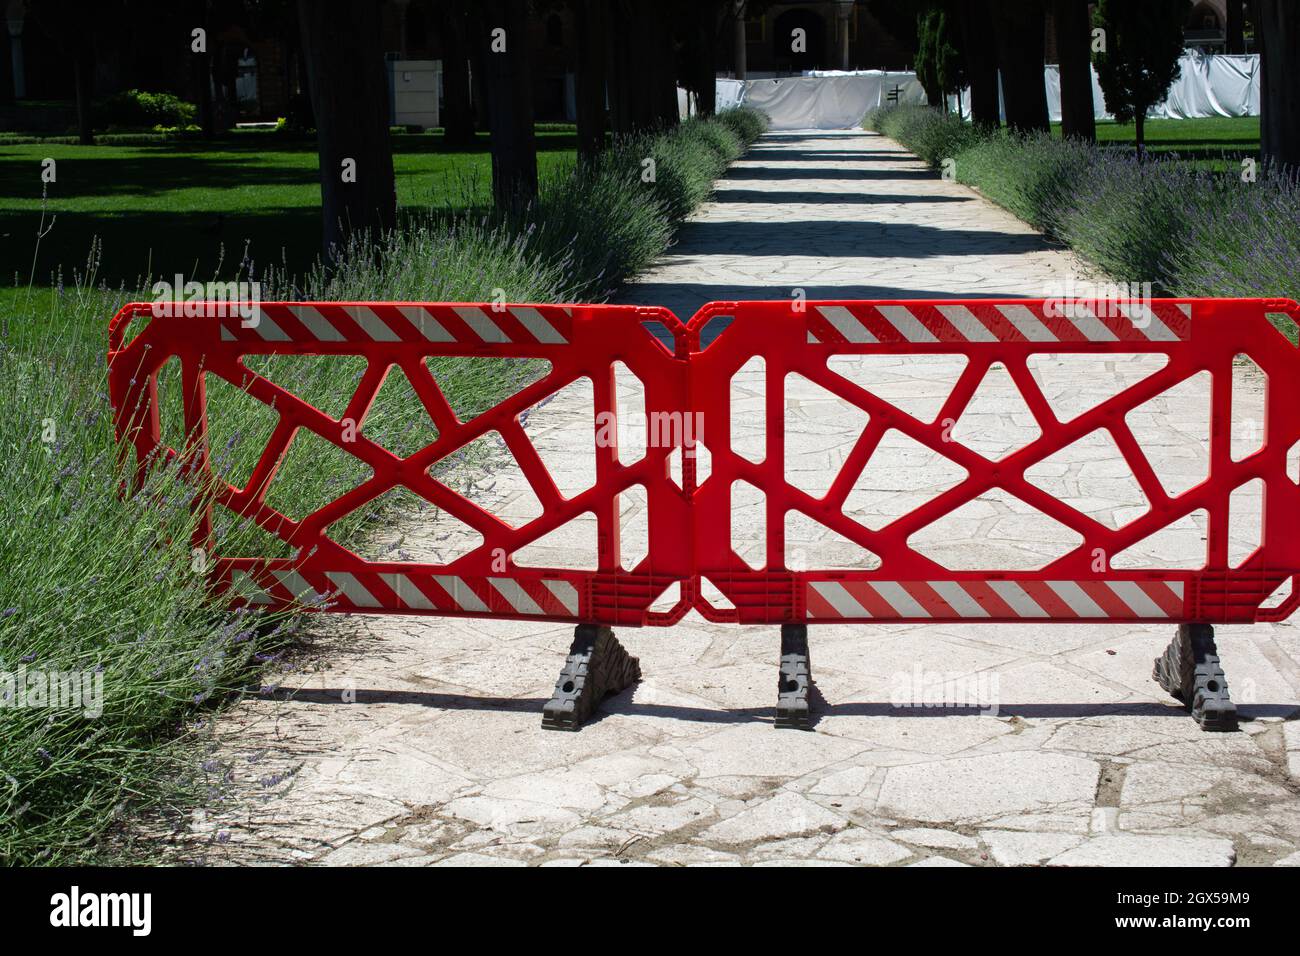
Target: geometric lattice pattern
[815, 454]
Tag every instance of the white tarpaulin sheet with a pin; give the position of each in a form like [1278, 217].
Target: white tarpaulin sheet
[819, 102]
[1209, 85]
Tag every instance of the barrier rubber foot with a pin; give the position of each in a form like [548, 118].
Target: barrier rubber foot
[1189, 669]
[795, 679]
[597, 666]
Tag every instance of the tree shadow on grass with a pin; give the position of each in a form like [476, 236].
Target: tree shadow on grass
[137, 245]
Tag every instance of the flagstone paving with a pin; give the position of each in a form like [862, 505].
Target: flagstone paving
[417, 741]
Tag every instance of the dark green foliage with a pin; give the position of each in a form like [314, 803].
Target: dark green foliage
[136, 109]
[939, 64]
[1143, 44]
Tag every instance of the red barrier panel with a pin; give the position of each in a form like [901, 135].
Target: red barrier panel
[768, 436]
[578, 342]
[980, 338]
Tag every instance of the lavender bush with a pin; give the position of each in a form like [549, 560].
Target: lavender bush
[1184, 228]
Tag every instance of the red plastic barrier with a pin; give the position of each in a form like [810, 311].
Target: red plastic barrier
[578, 341]
[690, 524]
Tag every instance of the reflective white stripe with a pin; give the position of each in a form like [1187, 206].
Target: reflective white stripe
[352, 589]
[1147, 322]
[268, 329]
[1076, 598]
[898, 597]
[461, 593]
[510, 590]
[846, 604]
[1185, 308]
[248, 589]
[1136, 599]
[908, 325]
[1092, 327]
[407, 592]
[812, 339]
[374, 326]
[483, 327]
[226, 335]
[965, 322]
[846, 323]
[1016, 598]
[959, 598]
[536, 323]
[565, 593]
[1176, 587]
[316, 323]
[295, 582]
[1028, 324]
[427, 325]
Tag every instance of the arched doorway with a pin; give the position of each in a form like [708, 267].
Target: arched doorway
[813, 40]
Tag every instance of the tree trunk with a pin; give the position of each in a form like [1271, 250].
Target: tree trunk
[84, 77]
[6, 68]
[981, 63]
[203, 84]
[640, 43]
[1073, 41]
[1278, 32]
[1019, 25]
[706, 84]
[201, 68]
[618, 66]
[659, 65]
[349, 93]
[590, 93]
[739, 57]
[510, 102]
[457, 102]
[1139, 133]
[1235, 29]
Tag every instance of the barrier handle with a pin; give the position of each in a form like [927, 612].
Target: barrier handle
[118, 324]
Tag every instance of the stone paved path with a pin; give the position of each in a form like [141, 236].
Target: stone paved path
[417, 741]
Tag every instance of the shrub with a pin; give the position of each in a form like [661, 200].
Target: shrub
[1032, 176]
[136, 109]
[1124, 214]
[1240, 239]
[932, 134]
[746, 122]
[719, 137]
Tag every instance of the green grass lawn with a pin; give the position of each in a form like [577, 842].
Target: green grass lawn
[1211, 138]
[174, 207]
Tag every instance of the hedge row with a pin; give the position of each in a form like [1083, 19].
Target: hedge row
[1187, 230]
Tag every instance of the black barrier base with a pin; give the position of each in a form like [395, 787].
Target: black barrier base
[597, 666]
[1189, 669]
[795, 680]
